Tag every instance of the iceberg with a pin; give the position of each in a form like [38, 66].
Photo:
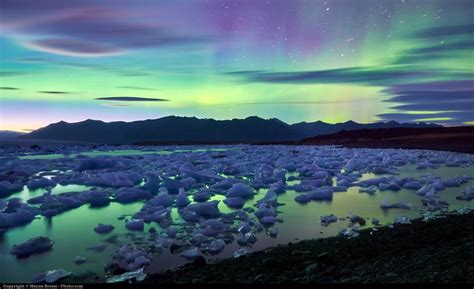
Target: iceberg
[385, 205]
[240, 190]
[135, 225]
[50, 276]
[33, 246]
[234, 202]
[216, 246]
[103, 229]
[129, 195]
[328, 219]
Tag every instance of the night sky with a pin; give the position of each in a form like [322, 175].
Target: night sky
[333, 60]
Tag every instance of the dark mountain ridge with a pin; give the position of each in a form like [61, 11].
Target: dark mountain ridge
[174, 129]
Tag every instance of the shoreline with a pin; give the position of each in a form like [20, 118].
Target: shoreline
[437, 251]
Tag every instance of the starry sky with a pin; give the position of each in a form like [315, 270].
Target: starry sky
[296, 60]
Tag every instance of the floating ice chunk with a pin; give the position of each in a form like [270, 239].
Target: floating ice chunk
[35, 184]
[375, 221]
[135, 225]
[328, 219]
[50, 276]
[350, 232]
[270, 197]
[240, 252]
[103, 229]
[205, 209]
[17, 218]
[95, 164]
[116, 180]
[191, 254]
[129, 195]
[33, 246]
[234, 202]
[214, 224]
[172, 185]
[202, 196]
[302, 198]
[385, 205]
[273, 232]
[138, 275]
[244, 227]
[216, 246]
[240, 190]
[426, 190]
[413, 185]
[247, 238]
[7, 188]
[402, 220]
[265, 210]
[162, 199]
[356, 219]
[369, 190]
[268, 220]
[152, 183]
[322, 194]
[467, 194]
[190, 170]
[390, 186]
[373, 182]
[182, 199]
[172, 231]
[80, 260]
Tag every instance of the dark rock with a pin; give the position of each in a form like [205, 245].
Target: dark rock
[269, 262]
[312, 268]
[199, 261]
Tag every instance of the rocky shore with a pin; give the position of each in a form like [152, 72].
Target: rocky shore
[435, 251]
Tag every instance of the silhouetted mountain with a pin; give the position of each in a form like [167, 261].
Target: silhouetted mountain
[309, 129]
[173, 129]
[10, 134]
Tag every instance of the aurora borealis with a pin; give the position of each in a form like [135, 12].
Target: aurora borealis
[333, 60]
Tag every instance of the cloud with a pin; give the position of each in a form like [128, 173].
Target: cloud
[12, 73]
[8, 88]
[362, 75]
[87, 29]
[443, 31]
[53, 92]
[451, 100]
[130, 98]
[137, 88]
[72, 47]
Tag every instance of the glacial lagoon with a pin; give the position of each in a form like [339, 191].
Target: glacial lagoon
[188, 200]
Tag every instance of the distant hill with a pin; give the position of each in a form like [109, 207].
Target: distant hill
[10, 134]
[459, 139]
[174, 129]
[309, 129]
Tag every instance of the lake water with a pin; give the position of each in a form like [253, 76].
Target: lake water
[73, 234]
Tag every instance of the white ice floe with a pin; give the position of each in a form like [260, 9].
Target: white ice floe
[240, 252]
[138, 275]
[50, 276]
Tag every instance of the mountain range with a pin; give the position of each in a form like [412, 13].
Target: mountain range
[175, 129]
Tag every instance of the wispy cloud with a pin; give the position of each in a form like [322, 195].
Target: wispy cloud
[9, 88]
[53, 92]
[130, 98]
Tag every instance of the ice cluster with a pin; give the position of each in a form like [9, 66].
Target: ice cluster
[183, 194]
